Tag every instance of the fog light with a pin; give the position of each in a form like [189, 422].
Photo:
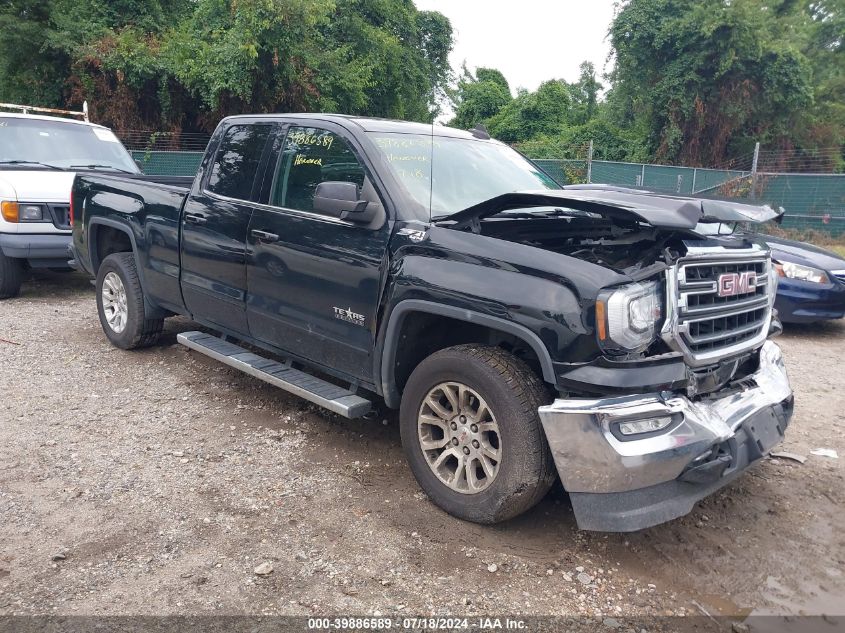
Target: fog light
[30, 213]
[648, 425]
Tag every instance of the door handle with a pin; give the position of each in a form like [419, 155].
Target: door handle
[194, 218]
[264, 236]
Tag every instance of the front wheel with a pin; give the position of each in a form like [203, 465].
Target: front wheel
[120, 304]
[11, 276]
[472, 434]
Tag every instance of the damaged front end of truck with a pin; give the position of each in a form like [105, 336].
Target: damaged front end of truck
[680, 388]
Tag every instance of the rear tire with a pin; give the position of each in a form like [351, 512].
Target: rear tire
[498, 463]
[11, 276]
[120, 304]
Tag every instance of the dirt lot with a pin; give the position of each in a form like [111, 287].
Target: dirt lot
[155, 482]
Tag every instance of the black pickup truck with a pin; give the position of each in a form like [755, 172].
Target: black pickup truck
[524, 330]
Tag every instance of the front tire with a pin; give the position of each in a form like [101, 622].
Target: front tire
[120, 304]
[11, 276]
[472, 434]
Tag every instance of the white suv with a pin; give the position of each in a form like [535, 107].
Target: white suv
[39, 156]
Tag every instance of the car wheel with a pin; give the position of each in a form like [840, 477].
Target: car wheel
[11, 276]
[120, 304]
[472, 434]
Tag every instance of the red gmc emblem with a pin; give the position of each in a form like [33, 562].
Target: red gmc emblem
[732, 284]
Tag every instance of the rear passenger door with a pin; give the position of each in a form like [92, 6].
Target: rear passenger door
[314, 279]
[214, 227]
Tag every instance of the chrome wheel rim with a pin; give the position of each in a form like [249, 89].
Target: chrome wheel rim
[459, 438]
[113, 296]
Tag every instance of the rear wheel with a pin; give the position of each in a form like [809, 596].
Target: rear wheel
[472, 434]
[11, 276]
[120, 304]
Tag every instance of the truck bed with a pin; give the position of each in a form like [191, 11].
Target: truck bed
[143, 210]
[173, 181]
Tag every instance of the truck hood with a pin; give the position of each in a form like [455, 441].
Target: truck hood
[658, 210]
[39, 185]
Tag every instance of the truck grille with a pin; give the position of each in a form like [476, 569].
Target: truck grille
[720, 303]
[60, 215]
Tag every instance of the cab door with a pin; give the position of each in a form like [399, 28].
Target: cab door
[313, 279]
[214, 229]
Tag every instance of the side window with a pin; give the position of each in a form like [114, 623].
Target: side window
[311, 156]
[236, 162]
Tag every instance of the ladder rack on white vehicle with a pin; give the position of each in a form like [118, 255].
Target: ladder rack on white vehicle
[25, 109]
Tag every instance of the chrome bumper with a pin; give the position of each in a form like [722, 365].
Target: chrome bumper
[592, 459]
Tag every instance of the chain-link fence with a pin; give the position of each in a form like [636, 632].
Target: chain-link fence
[166, 153]
[804, 183]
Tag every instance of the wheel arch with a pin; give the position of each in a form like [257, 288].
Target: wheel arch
[385, 371]
[95, 233]
[96, 257]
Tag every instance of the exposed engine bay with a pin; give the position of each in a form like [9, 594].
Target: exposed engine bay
[623, 247]
[641, 252]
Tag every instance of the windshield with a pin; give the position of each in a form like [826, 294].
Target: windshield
[444, 175]
[61, 144]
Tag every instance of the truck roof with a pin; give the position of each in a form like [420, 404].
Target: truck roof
[54, 119]
[369, 124]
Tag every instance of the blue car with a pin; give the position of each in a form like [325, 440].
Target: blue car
[811, 280]
[811, 284]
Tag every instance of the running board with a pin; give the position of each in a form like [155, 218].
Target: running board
[311, 388]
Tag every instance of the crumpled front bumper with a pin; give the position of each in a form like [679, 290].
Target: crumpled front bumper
[621, 484]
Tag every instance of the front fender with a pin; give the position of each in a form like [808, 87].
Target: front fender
[545, 311]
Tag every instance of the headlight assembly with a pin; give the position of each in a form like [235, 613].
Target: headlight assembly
[16, 212]
[627, 317]
[31, 213]
[802, 273]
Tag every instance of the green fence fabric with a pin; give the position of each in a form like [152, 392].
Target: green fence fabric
[565, 172]
[167, 163]
[811, 201]
[708, 179]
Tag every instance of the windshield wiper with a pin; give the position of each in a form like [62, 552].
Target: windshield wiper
[97, 166]
[30, 162]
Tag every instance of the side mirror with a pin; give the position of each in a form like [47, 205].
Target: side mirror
[340, 199]
[139, 164]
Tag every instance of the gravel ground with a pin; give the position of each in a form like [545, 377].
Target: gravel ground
[159, 481]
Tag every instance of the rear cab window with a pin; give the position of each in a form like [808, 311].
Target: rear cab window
[237, 160]
[310, 156]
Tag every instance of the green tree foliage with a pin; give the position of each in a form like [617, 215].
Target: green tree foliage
[494, 76]
[479, 97]
[186, 63]
[585, 94]
[694, 83]
[707, 79]
[823, 125]
[610, 142]
[558, 120]
[29, 70]
[533, 114]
